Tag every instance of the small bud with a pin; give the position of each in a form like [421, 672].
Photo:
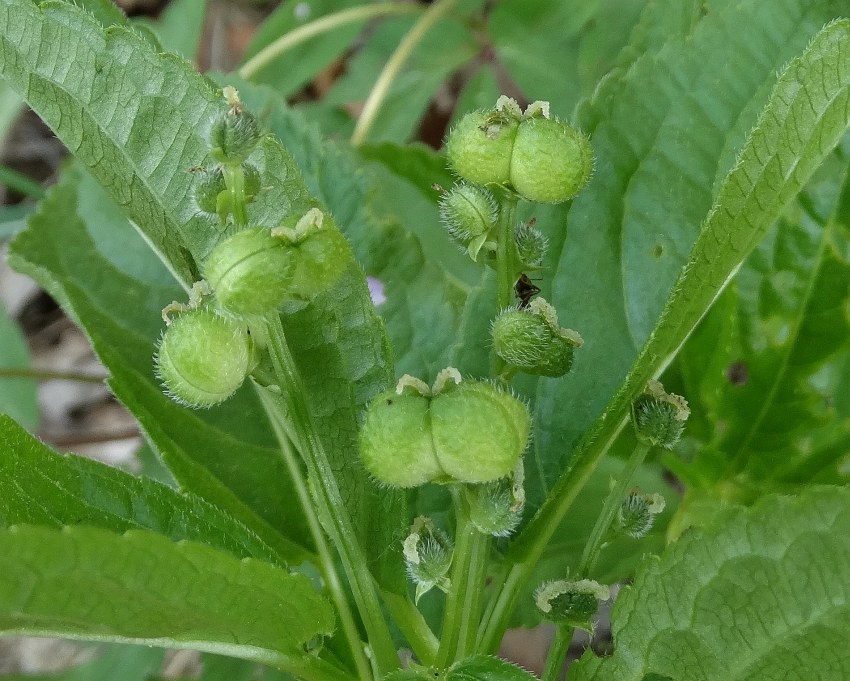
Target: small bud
[571, 603]
[209, 185]
[469, 213]
[531, 340]
[658, 417]
[203, 358]
[236, 133]
[495, 508]
[428, 556]
[456, 431]
[636, 514]
[249, 272]
[531, 245]
[551, 160]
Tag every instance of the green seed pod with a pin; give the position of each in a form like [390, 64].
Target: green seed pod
[531, 340]
[253, 183]
[479, 431]
[456, 431]
[249, 272]
[551, 160]
[494, 507]
[427, 556]
[203, 358]
[571, 603]
[480, 145]
[319, 250]
[469, 213]
[636, 514]
[531, 245]
[209, 185]
[658, 417]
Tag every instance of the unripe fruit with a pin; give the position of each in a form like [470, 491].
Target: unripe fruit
[427, 556]
[493, 507]
[531, 245]
[659, 417]
[469, 431]
[468, 213]
[479, 147]
[551, 160]
[636, 514]
[234, 136]
[249, 272]
[209, 185]
[203, 358]
[531, 340]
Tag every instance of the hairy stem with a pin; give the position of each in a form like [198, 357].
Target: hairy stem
[329, 499]
[463, 602]
[277, 417]
[394, 65]
[322, 25]
[506, 271]
[49, 375]
[609, 510]
[414, 627]
[557, 653]
[234, 179]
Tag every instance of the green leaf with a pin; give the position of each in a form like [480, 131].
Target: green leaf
[486, 668]
[137, 119]
[583, 38]
[17, 395]
[128, 663]
[88, 583]
[40, 487]
[180, 25]
[115, 288]
[763, 594]
[763, 365]
[665, 139]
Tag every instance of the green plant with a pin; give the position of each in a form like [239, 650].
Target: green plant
[316, 508]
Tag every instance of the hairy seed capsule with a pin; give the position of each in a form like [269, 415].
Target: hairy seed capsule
[531, 340]
[465, 431]
[659, 417]
[494, 508]
[468, 213]
[427, 556]
[249, 272]
[571, 603]
[551, 160]
[479, 147]
[234, 136]
[203, 358]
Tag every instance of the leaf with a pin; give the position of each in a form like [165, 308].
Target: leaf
[665, 139]
[772, 350]
[137, 119]
[128, 663]
[17, 395]
[180, 25]
[486, 668]
[582, 38]
[88, 583]
[763, 594]
[115, 288]
[40, 487]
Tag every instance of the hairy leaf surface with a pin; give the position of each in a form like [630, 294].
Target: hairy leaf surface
[763, 594]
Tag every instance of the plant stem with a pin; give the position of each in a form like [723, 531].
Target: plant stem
[20, 183]
[557, 653]
[329, 499]
[609, 510]
[529, 546]
[393, 67]
[414, 627]
[349, 626]
[48, 375]
[463, 602]
[234, 179]
[321, 25]
[506, 270]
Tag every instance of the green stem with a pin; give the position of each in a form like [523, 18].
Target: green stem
[609, 510]
[414, 627]
[528, 547]
[557, 653]
[329, 500]
[506, 272]
[463, 602]
[321, 25]
[393, 67]
[271, 403]
[234, 180]
[20, 183]
[47, 375]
